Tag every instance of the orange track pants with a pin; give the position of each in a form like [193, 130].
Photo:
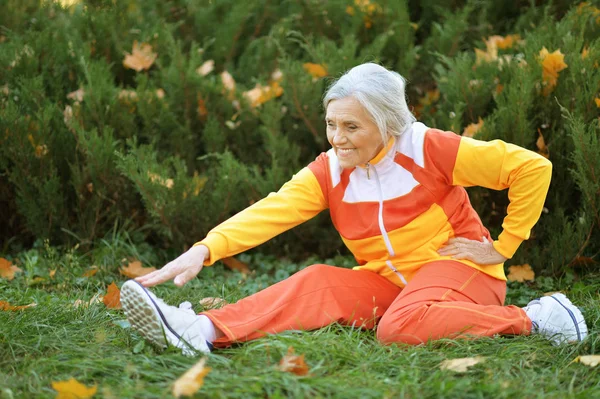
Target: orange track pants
[445, 299]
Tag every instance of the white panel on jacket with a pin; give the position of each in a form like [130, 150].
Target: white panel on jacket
[335, 170]
[411, 143]
[395, 181]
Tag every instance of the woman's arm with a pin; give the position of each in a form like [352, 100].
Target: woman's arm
[499, 165]
[298, 200]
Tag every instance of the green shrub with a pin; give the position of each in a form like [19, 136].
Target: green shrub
[168, 152]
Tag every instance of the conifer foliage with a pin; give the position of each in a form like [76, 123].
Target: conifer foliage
[167, 117]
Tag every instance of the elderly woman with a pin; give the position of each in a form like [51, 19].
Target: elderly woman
[427, 267]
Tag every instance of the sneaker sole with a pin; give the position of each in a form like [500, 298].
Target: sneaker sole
[575, 314]
[146, 317]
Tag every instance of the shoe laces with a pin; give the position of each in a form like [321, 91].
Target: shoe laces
[186, 306]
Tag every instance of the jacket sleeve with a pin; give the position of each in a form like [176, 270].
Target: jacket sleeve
[499, 165]
[298, 200]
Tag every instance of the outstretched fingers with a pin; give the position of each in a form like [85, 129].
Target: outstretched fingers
[156, 277]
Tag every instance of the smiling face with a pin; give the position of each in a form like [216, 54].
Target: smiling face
[354, 137]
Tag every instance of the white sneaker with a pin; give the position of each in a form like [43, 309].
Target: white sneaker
[160, 323]
[557, 319]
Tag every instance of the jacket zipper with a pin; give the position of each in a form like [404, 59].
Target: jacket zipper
[386, 238]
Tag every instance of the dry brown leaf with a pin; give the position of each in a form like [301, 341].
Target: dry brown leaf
[72, 389]
[91, 272]
[52, 273]
[128, 96]
[541, 145]
[461, 365]
[134, 269]
[520, 273]
[235, 264]
[7, 269]
[192, 380]
[68, 116]
[588, 360]
[277, 75]
[212, 303]
[8, 307]
[581, 261]
[155, 178]
[293, 363]
[112, 299]
[228, 81]
[141, 57]
[95, 299]
[202, 110]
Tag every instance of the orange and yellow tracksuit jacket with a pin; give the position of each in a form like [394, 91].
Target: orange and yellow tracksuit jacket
[396, 211]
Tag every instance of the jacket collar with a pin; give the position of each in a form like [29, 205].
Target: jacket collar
[382, 154]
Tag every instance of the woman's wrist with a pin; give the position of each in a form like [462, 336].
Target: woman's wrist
[200, 250]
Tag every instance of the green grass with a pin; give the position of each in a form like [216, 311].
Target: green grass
[55, 341]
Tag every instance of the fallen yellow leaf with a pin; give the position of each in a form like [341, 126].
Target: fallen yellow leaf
[585, 52]
[588, 360]
[199, 183]
[141, 57]
[552, 64]
[72, 389]
[112, 299]
[206, 68]
[8, 307]
[76, 95]
[293, 363]
[7, 269]
[134, 269]
[473, 128]
[91, 272]
[228, 81]
[261, 94]
[315, 70]
[192, 380]
[461, 365]
[520, 273]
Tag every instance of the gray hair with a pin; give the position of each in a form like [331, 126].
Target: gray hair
[381, 92]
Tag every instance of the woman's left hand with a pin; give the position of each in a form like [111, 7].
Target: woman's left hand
[480, 252]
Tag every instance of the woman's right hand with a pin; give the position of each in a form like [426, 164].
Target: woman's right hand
[180, 270]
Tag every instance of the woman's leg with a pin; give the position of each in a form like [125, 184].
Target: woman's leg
[450, 299]
[312, 298]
